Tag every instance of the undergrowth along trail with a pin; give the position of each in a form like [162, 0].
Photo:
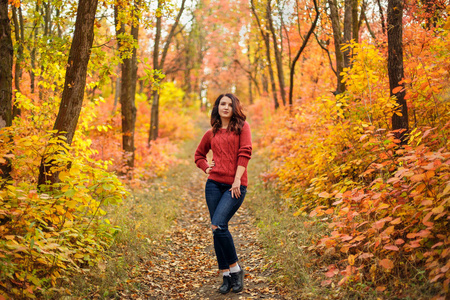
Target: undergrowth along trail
[182, 264]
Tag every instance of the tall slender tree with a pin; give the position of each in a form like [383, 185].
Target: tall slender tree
[339, 56]
[277, 52]
[128, 79]
[75, 81]
[395, 64]
[266, 37]
[20, 40]
[158, 64]
[6, 61]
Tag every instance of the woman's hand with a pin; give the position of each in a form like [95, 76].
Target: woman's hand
[236, 188]
[211, 165]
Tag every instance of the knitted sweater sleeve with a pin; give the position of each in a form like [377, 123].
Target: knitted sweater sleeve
[245, 146]
[202, 150]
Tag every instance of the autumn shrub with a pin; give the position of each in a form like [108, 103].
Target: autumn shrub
[335, 159]
[50, 233]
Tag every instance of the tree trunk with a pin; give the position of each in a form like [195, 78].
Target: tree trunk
[33, 50]
[6, 62]
[19, 34]
[334, 16]
[278, 58]
[355, 21]
[250, 87]
[117, 86]
[395, 64]
[158, 64]
[383, 24]
[266, 39]
[128, 88]
[75, 81]
[347, 32]
[154, 124]
[154, 118]
[264, 81]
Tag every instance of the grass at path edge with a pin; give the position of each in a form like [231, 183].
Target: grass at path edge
[143, 218]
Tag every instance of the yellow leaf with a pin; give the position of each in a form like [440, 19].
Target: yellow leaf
[351, 259]
[446, 190]
[324, 195]
[438, 210]
[389, 230]
[71, 204]
[63, 175]
[383, 206]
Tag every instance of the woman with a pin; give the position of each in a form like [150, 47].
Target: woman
[231, 144]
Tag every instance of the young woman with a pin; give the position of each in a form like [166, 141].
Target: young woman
[231, 143]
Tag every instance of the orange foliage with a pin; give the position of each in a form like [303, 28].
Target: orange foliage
[336, 160]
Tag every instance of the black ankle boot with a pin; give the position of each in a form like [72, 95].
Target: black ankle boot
[226, 285]
[237, 281]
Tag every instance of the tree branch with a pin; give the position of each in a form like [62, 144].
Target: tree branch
[171, 34]
[305, 41]
[328, 53]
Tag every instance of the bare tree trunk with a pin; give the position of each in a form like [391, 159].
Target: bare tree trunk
[58, 14]
[278, 58]
[383, 24]
[154, 118]
[250, 87]
[297, 56]
[33, 51]
[347, 32]
[18, 31]
[47, 18]
[395, 64]
[266, 39]
[128, 89]
[355, 21]
[265, 82]
[154, 129]
[117, 86]
[6, 62]
[158, 64]
[75, 81]
[334, 16]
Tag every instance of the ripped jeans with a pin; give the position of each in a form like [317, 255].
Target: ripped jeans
[221, 208]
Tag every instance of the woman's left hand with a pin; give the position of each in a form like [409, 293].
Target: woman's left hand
[236, 188]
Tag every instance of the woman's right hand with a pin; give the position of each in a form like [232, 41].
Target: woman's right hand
[211, 165]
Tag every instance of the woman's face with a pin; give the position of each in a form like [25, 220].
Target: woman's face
[225, 107]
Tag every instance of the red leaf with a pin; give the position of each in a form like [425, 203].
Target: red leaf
[391, 247]
[399, 241]
[325, 282]
[386, 263]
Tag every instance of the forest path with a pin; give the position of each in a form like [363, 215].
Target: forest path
[183, 264]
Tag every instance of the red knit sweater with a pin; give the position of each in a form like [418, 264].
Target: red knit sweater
[229, 151]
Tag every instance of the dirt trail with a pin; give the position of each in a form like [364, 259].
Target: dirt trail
[183, 266]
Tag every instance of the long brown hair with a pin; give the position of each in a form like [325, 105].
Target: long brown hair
[237, 119]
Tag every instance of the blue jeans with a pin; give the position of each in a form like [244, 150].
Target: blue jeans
[221, 208]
